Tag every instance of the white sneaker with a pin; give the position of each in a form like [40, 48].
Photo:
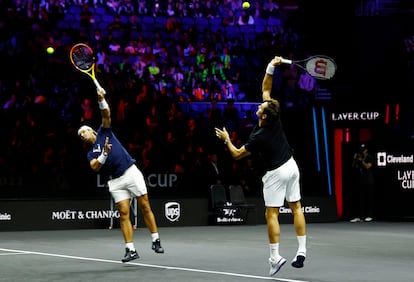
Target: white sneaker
[275, 266]
[368, 219]
[357, 219]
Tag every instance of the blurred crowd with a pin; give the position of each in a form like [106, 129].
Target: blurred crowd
[148, 71]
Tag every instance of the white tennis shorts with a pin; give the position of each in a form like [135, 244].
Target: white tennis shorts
[130, 184]
[281, 183]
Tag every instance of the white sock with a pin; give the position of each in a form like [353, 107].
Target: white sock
[130, 246]
[155, 236]
[302, 244]
[274, 251]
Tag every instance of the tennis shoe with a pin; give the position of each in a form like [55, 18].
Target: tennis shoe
[156, 246]
[368, 219]
[357, 219]
[130, 255]
[275, 266]
[298, 260]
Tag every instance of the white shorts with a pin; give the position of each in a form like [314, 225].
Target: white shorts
[130, 184]
[281, 183]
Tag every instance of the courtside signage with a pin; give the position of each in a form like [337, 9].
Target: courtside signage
[155, 180]
[89, 213]
[398, 164]
[5, 216]
[305, 209]
[384, 159]
[172, 211]
[230, 215]
[84, 215]
[355, 116]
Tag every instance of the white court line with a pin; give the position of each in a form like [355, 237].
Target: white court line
[153, 266]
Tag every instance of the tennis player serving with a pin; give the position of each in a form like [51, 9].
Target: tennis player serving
[109, 157]
[281, 180]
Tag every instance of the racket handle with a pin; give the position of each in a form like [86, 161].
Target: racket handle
[97, 84]
[286, 61]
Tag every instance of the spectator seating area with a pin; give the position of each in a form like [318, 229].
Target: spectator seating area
[171, 76]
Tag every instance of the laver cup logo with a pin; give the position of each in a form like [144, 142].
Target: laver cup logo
[172, 211]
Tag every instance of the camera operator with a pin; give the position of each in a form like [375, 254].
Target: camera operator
[363, 162]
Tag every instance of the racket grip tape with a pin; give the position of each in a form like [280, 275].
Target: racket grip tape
[97, 84]
[286, 61]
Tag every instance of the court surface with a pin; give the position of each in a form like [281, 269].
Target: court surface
[340, 251]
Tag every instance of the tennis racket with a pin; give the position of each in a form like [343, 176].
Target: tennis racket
[318, 66]
[83, 59]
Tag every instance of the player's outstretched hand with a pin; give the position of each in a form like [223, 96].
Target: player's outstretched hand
[108, 146]
[222, 134]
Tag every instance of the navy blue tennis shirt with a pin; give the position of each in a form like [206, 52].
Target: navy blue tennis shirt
[118, 161]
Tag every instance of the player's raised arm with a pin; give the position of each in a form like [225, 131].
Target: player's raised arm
[268, 77]
[104, 107]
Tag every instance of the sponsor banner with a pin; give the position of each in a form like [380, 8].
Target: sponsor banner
[398, 169]
[99, 213]
[356, 115]
[231, 215]
[55, 214]
[154, 180]
[316, 209]
[93, 213]
[395, 181]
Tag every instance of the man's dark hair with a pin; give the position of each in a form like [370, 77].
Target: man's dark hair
[272, 110]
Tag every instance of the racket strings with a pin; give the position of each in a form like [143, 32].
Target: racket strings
[83, 58]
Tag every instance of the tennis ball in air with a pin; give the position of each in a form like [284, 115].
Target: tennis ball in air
[246, 5]
[50, 50]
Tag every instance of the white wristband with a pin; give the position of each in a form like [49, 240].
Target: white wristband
[103, 105]
[102, 158]
[270, 69]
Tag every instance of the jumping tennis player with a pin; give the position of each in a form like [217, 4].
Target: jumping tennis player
[108, 157]
[281, 180]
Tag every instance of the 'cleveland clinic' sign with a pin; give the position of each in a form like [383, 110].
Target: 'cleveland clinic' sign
[401, 166]
[395, 181]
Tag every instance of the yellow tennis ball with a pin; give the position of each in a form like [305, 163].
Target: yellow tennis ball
[50, 50]
[246, 5]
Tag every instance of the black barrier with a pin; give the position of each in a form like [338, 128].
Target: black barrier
[27, 215]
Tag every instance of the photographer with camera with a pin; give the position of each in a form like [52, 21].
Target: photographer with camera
[363, 163]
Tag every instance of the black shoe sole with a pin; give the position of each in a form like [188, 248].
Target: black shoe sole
[298, 263]
[159, 251]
